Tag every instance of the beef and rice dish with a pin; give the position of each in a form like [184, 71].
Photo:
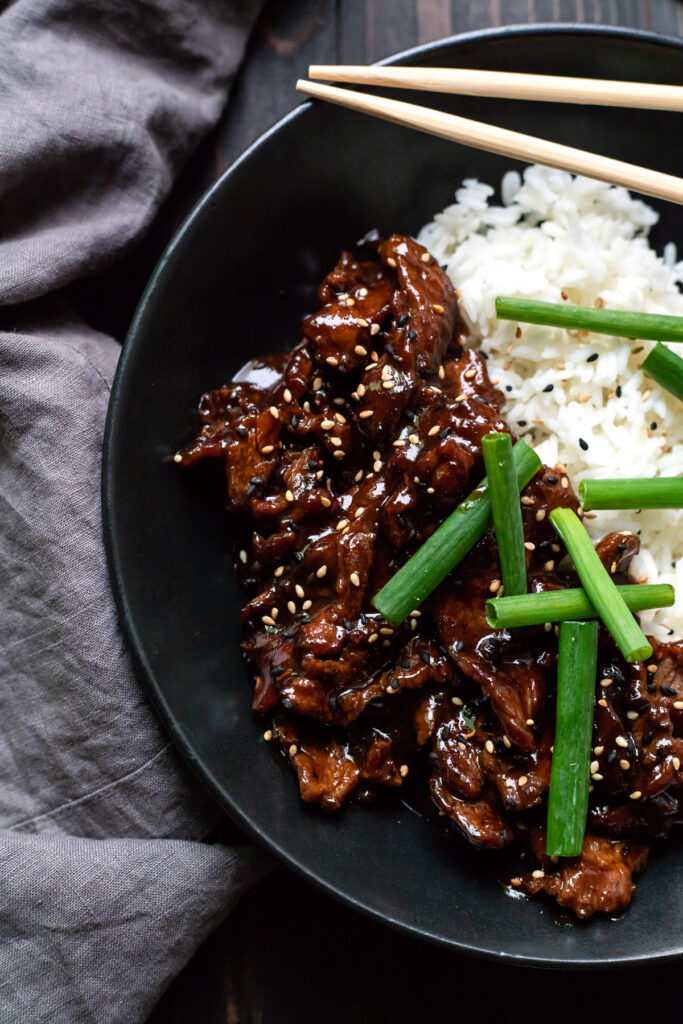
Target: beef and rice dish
[342, 456]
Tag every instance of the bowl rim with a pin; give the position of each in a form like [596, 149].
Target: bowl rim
[134, 641]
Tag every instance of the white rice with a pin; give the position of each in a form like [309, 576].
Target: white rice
[557, 234]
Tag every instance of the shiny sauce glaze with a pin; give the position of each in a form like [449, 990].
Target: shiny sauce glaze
[341, 458]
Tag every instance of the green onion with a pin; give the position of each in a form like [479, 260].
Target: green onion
[662, 492]
[506, 510]
[574, 603]
[599, 586]
[587, 318]
[569, 775]
[666, 368]
[448, 544]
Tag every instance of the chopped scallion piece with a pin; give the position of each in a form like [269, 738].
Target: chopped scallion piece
[652, 326]
[506, 510]
[448, 544]
[569, 776]
[574, 603]
[662, 492]
[599, 586]
[666, 368]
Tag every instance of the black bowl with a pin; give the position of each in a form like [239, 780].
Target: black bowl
[235, 282]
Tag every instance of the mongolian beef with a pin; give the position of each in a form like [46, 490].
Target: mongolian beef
[341, 458]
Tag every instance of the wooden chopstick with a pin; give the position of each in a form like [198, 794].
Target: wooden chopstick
[500, 140]
[508, 85]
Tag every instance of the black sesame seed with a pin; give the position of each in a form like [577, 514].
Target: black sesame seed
[287, 704]
[651, 687]
[401, 520]
[425, 657]
[250, 490]
[647, 739]
[668, 691]
[242, 431]
[552, 480]
[403, 320]
[404, 663]
[294, 422]
[653, 426]
[548, 388]
[288, 634]
[508, 387]
[583, 444]
[390, 349]
[278, 670]
[410, 416]
[459, 645]
[333, 703]
[257, 480]
[299, 556]
[484, 355]
[618, 390]
[443, 434]
[295, 527]
[432, 756]
[348, 624]
[592, 358]
[481, 399]
[521, 423]
[312, 464]
[612, 756]
[394, 684]
[626, 849]
[412, 335]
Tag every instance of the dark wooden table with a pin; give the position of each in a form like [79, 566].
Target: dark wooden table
[290, 955]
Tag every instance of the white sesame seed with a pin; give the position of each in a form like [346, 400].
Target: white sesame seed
[626, 765]
[595, 767]
[325, 502]
[526, 500]
[373, 637]
[555, 547]
[359, 512]
[336, 441]
[489, 746]
[358, 477]
[267, 620]
[414, 439]
[399, 444]
[177, 457]
[605, 683]
[359, 350]
[339, 418]
[529, 545]
[430, 490]
[392, 262]
[457, 701]
[386, 631]
[522, 781]
[632, 715]
[530, 722]
[267, 449]
[433, 430]
[377, 465]
[374, 329]
[442, 373]
[350, 301]
[289, 496]
[469, 374]
[598, 750]
[506, 742]
[388, 384]
[332, 360]
[327, 424]
[307, 604]
[299, 590]
[621, 741]
[365, 414]
[413, 624]
[437, 307]
[342, 523]
[274, 612]
[403, 770]
[268, 735]
[538, 873]
[362, 292]
[321, 572]
[293, 750]
[287, 395]
[549, 566]
[597, 777]
[361, 390]
[635, 795]
[494, 586]
[243, 556]
[279, 571]
[355, 579]
[516, 882]
[540, 515]
[362, 322]
[274, 413]
[425, 257]
[339, 454]
[676, 762]
[678, 704]
[291, 607]
[317, 383]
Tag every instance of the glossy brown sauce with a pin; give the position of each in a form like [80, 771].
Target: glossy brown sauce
[341, 458]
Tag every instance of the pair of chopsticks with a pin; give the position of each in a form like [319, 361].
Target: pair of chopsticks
[508, 85]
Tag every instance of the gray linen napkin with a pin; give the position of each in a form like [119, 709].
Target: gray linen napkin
[107, 888]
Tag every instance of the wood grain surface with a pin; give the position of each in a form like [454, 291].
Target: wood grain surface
[290, 955]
